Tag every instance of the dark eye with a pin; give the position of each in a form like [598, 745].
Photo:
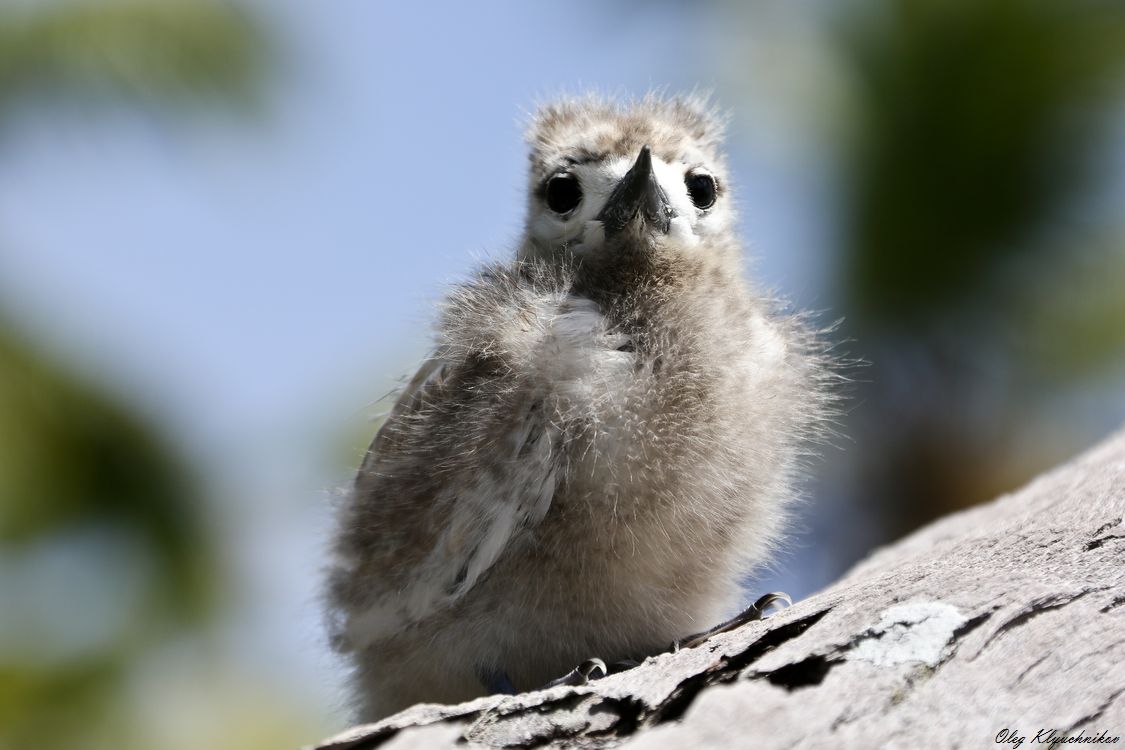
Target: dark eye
[563, 193]
[701, 188]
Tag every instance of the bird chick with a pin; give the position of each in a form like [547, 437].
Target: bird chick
[603, 442]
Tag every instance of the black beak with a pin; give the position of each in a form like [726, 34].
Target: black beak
[638, 192]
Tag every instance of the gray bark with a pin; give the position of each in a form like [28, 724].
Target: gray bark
[1008, 617]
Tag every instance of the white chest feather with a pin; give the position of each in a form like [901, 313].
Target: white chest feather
[580, 358]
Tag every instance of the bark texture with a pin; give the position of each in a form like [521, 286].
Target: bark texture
[1003, 622]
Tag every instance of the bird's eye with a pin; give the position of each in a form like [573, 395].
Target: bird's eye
[701, 188]
[563, 193]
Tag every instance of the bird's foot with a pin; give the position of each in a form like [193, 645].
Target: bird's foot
[591, 669]
[498, 683]
[756, 611]
[595, 669]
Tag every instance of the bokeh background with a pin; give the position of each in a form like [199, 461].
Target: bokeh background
[223, 227]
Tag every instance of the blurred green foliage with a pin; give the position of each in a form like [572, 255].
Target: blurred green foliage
[978, 123]
[72, 456]
[976, 136]
[1083, 331]
[170, 52]
[81, 474]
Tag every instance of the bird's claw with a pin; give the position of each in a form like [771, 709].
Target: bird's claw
[595, 669]
[591, 669]
[756, 611]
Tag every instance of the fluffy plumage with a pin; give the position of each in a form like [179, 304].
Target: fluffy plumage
[601, 446]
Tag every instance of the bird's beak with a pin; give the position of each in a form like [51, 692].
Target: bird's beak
[637, 193]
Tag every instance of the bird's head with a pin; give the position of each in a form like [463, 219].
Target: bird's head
[643, 179]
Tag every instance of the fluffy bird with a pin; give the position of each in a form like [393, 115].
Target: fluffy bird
[602, 444]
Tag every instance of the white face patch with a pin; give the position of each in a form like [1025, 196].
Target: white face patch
[581, 231]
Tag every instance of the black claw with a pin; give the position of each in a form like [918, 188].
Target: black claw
[591, 669]
[756, 611]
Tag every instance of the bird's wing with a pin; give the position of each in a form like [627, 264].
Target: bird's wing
[449, 483]
[429, 378]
